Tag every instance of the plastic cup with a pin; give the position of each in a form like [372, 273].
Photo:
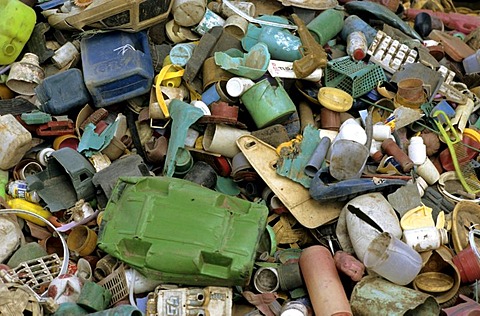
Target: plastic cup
[392, 259]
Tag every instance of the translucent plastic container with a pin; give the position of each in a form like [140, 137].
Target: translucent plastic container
[17, 21]
[393, 259]
[15, 141]
[472, 63]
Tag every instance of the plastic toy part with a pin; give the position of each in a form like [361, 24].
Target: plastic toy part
[67, 172]
[143, 226]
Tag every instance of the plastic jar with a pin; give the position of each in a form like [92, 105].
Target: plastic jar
[425, 238]
[417, 151]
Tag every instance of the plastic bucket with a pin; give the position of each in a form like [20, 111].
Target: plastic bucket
[393, 259]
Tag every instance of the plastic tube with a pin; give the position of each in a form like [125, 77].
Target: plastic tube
[323, 283]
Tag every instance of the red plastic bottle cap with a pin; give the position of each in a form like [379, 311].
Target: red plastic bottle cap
[358, 54]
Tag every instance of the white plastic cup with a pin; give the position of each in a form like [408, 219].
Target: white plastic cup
[392, 259]
[428, 172]
[237, 86]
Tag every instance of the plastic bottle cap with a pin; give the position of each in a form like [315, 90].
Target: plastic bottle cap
[416, 140]
[234, 87]
[443, 236]
[359, 54]
[9, 49]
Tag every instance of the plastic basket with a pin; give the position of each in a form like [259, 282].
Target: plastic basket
[116, 283]
[355, 78]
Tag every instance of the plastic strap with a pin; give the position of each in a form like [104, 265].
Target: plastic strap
[163, 75]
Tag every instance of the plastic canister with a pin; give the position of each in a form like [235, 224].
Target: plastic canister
[267, 104]
[17, 21]
[116, 66]
[57, 97]
[16, 140]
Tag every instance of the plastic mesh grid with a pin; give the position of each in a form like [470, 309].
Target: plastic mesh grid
[355, 78]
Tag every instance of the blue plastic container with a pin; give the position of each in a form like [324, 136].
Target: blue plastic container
[62, 92]
[117, 66]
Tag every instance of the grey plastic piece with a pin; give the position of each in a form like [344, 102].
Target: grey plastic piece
[66, 179]
[126, 166]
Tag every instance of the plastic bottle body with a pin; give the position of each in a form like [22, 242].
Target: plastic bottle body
[357, 45]
[425, 238]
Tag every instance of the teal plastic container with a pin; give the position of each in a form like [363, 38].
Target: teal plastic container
[268, 104]
[17, 21]
[117, 66]
[176, 231]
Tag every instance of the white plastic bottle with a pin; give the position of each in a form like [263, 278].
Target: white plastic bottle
[357, 45]
[425, 238]
[417, 151]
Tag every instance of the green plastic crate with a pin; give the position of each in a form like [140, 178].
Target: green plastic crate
[355, 78]
[176, 231]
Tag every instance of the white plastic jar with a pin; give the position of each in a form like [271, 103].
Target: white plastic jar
[417, 151]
